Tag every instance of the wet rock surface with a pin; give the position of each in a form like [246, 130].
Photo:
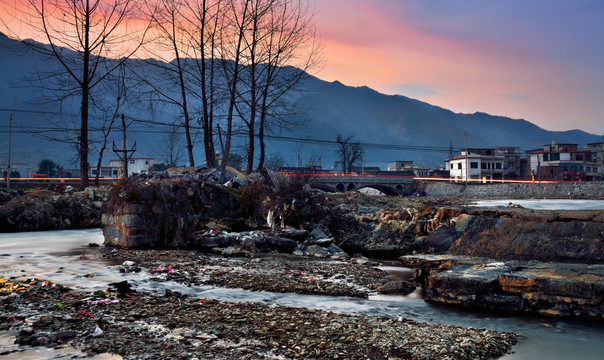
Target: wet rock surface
[550, 289]
[140, 325]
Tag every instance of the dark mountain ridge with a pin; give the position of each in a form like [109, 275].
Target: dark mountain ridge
[416, 130]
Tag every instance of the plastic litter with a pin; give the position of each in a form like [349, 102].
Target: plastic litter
[165, 269]
[99, 293]
[103, 301]
[129, 263]
[87, 314]
[97, 332]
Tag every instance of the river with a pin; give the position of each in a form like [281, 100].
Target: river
[65, 257]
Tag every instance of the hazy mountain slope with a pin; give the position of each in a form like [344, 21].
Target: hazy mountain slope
[422, 132]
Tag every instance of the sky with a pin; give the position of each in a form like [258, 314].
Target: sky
[538, 60]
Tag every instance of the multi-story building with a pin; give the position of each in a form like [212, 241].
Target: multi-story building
[558, 161]
[594, 167]
[511, 163]
[476, 164]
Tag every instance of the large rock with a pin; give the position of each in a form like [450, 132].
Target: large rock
[521, 234]
[552, 289]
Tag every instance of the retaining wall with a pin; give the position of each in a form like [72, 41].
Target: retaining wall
[570, 190]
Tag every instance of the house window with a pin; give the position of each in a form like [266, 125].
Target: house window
[132, 162]
[545, 157]
[579, 157]
[473, 165]
[450, 166]
[146, 162]
[498, 166]
[554, 156]
[588, 169]
[459, 166]
[114, 172]
[93, 172]
[483, 166]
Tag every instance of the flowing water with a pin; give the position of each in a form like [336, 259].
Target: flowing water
[65, 257]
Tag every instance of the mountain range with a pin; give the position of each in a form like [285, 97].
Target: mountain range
[389, 127]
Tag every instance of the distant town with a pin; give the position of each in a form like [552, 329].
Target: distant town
[553, 161]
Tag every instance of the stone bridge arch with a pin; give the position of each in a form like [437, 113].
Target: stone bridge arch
[386, 189]
[324, 187]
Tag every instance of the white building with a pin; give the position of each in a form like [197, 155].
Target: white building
[136, 165]
[476, 164]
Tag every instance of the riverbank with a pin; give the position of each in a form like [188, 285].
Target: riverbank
[120, 319]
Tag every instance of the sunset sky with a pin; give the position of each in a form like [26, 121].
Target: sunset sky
[540, 60]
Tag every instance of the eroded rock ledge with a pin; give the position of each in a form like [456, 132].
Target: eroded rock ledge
[551, 289]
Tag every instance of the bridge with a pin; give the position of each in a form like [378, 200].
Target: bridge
[387, 184]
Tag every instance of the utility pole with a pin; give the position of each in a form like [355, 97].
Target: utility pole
[10, 133]
[124, 150]
[465, 134]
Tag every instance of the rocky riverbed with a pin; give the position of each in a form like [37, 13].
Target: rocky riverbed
[142, 325]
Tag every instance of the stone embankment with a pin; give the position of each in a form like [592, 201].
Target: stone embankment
[566, 190]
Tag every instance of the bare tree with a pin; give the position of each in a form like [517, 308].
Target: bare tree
[204, 24]
[171, 150]
[292, 51]
[90, 39]
[280, 46]
[350, 153]
[167, 79]
[232, 35]
[116, 84]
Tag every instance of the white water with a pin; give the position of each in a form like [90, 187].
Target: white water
[546, 204]
[65, 257]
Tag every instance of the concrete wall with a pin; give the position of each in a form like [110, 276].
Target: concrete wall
[578, 190]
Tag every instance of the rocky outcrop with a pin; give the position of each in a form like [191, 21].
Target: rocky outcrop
[48, 210]
[515, 234]
[551, 289]
[216, 211]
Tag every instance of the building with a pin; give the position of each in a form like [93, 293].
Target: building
[136, 165]
[511, 163]
[107, 171]
[594, 166]
[476, 164]
[418, 170]
[558, 162]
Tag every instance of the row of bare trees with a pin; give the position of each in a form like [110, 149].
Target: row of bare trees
[227, 66]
